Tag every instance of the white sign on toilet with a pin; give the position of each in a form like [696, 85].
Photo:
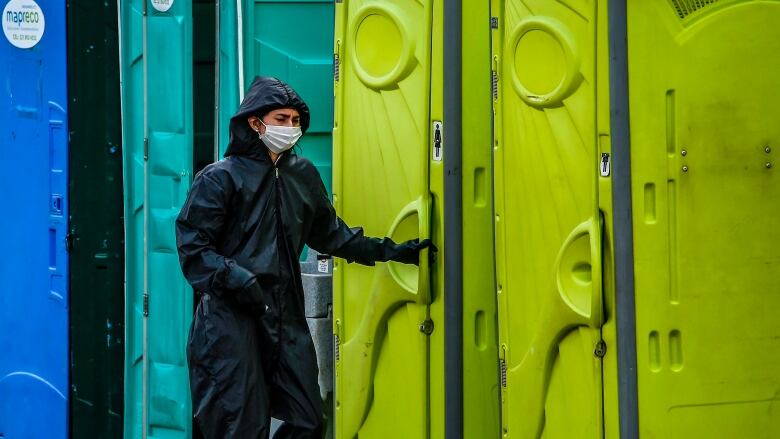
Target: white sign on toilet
[23, 23]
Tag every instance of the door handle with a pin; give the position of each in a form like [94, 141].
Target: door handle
[413, 279]
[578, 273]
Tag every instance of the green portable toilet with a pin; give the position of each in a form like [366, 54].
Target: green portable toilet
[96, 228]
[290, 40]
[171, 80]
[703, 102]
[551, 129]
[388, 362]
[390, 166]
[157, 133]
[480, 378]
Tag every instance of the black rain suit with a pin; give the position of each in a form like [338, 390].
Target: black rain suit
[239, 236]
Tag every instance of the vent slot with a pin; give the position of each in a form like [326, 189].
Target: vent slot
[684, 8]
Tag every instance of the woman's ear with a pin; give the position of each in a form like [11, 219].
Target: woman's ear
[255, 124]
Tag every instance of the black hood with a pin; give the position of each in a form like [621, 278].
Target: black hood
[264, 95]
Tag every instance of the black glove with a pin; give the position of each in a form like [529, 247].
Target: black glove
[409, 252]
[251, 295]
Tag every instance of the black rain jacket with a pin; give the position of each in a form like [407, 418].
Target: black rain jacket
[241, 211]
[239, 236]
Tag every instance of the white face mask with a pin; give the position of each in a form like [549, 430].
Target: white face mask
[278, 138]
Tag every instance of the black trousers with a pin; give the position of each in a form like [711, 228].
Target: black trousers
[246, 368]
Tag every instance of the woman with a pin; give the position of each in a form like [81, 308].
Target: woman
[239, 235]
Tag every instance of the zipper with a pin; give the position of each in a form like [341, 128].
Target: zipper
[295, 275]
[280, 235]
[276, 170]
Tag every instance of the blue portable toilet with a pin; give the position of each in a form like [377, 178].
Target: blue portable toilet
[33, 221]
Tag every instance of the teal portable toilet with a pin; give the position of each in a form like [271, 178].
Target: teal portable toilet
[177, 97]
[292, 41]
[157, 134]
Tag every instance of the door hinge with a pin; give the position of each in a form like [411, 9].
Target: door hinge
[502, 365]
[336, 66]
[494, 22]
[494, 81]
[336, 339]
[146, 305]
[426, 326]
[146, 148]
[70, 239]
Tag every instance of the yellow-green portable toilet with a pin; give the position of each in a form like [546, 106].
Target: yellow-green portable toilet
[388, 352]
[551, 128]
[704, 97]
[479, 375]
[398, 65]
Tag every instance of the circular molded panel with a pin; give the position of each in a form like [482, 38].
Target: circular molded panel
[383, 50]
[544, 61]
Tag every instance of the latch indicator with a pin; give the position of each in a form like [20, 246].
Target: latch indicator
[605, 165]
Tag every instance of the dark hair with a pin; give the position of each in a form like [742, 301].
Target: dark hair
[267, 110]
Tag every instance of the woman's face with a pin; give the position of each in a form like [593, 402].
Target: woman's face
[288, 117]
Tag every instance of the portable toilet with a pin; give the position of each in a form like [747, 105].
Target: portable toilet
[34, 302]
[156, 58]
[180, 85]
[552, 120]
[291, 41]
[415, 346]
[635, 218]
[96, 232]
[705, 192]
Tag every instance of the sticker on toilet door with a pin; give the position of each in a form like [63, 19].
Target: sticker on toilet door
[162, 5]
[23, 23]
[438, 141]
